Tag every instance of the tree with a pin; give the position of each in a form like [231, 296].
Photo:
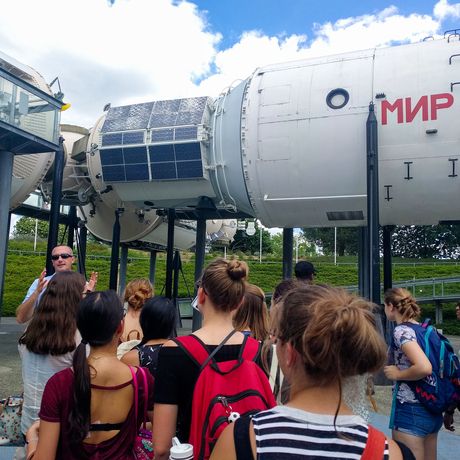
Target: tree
[347, 239]
[251, 244]
[430, 241]
[25, 228]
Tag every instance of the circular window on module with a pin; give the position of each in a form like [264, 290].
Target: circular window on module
[337, 98]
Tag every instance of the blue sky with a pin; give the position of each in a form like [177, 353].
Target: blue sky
[276, 17]
[128, 51]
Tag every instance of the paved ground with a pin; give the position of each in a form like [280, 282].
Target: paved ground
[11, 383]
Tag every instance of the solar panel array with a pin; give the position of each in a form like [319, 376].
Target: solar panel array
[153, 141]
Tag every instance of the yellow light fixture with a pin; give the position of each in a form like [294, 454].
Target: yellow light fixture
[66, 106]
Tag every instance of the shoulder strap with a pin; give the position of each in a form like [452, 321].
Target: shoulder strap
[136, 389]
[199, 353]
[146, 394]
[375, 445]
[251, 348]
[241, 439]
[193, 347]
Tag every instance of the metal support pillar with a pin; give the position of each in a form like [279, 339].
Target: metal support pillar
[6, 171]
[82, 238]
[113, 281]
[123, 269]
[373, 206]
[177, 265]
[72, 225]
[200, 251]
[288, 241]
[170, 254]
[387, 265]
[55, 204]
[153, 266]
[363, 267]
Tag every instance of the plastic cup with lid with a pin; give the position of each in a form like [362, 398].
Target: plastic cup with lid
[180, 451]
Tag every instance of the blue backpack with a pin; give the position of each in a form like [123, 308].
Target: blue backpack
[441, 389]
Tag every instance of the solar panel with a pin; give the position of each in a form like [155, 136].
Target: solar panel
[133, 137]
[112, 139]
[111, 157]
[164, 171]
[189, 169]
[114, 173]
[139, 172]
[162, 135]
[161, 153]
[135, 155]
[185, 133]
[189, 151]
[127, 117]
[174, 151]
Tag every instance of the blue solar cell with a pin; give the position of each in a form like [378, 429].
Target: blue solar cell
[167, 106]
[111, 156]
[111, 139]
[162, 135]
[135, 154]
[127, 117]
[113, 173]
[189, 151]
[160, 153]
[163, 119]
[164, 171]
[187, 118]
[189, 169]
[185, 133]
[133, 137]
[138, 172]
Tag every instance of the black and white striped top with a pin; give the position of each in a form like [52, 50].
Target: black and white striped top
[287, 433]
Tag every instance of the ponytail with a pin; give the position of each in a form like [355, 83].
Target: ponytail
[404, 302]
[80, 415]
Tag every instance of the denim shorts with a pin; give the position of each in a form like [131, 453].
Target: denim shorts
[415, 419]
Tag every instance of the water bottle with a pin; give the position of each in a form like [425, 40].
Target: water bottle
[180, 451]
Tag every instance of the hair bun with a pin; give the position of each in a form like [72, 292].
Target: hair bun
[237, 270]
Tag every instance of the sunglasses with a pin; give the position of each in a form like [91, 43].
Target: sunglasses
[62, 256]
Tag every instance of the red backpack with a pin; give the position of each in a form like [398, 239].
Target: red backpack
[224, 390]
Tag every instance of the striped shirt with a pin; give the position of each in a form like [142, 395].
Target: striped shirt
[287, 433]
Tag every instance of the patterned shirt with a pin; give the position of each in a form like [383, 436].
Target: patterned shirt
[403, 334]
[285, 433]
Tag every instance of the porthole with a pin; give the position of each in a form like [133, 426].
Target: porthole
[337, 98]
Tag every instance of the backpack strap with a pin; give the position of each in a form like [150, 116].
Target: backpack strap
[196, 349]
[375, 445]
[241, 438]
[250, 349]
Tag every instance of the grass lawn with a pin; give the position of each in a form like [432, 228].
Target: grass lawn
[23, 266]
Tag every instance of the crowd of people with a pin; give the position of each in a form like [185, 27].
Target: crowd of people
[96, 367]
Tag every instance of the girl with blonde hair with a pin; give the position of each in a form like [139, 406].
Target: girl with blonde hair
[136, 293]
[411, 422]
[252, 317]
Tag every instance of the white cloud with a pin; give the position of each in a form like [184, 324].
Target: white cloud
[443, 9]
[141, 50]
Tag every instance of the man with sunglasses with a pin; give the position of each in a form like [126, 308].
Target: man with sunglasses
[62, 259]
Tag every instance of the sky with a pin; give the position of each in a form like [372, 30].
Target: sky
[129, 51]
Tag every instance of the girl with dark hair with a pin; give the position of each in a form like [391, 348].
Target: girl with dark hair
[48, 343]
[412, 423]
[157, 320]
[89, 411]
[324, 336]
[220, 293]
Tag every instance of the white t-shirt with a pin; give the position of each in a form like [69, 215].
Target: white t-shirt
[36, 371]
